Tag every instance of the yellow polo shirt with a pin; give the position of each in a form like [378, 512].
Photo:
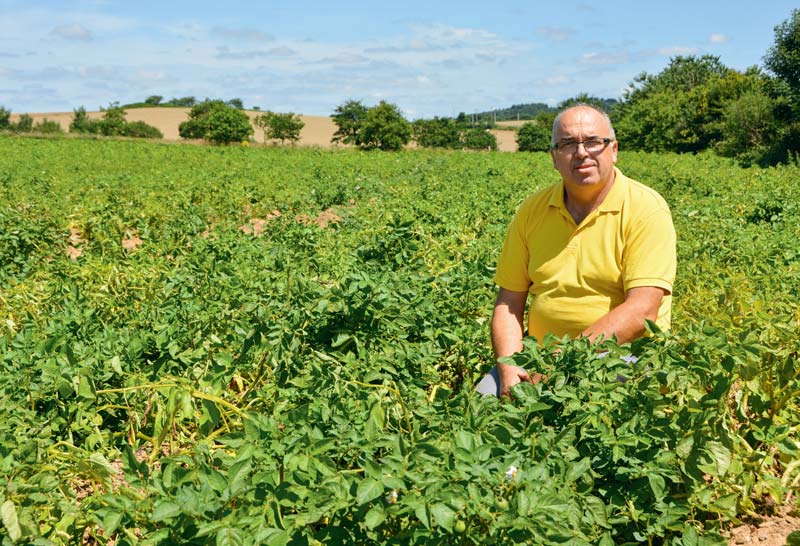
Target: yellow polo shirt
[577, 274]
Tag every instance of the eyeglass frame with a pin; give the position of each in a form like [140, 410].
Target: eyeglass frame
[606, 141]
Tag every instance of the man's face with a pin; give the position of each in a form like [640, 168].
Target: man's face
[578, 167]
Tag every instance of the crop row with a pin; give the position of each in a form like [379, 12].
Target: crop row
[278, 346]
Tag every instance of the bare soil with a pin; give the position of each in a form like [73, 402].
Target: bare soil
[318, 130]
[766, 531]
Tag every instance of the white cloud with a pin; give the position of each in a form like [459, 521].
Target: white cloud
[246, 34]
[73, 32]
[557, 80]
[603, 58]
[718, 38]
[555, 34]
[151, 76]
[676, 50]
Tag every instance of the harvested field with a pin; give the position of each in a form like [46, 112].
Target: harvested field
[318, 130]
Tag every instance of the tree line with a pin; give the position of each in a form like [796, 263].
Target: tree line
[697, 103]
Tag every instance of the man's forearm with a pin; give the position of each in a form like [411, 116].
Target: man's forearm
[626, 321]
[506, 334]
[507, 329]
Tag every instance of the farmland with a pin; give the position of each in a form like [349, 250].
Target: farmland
[277, 346]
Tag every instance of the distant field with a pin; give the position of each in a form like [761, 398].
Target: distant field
[318, 130]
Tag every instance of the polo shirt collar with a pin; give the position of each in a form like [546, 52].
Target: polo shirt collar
[616, 197]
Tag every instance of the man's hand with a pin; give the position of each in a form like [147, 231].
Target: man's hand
[511, 375]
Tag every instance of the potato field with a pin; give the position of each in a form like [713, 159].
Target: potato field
[241, 346]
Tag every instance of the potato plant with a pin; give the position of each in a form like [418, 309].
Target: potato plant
[278, 346]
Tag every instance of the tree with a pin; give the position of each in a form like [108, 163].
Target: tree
[533, 136]
[281, 127]
[477, 139]
[81, 123]
[679, 109]
[384, 128]
[48, 126]
[215, 121]
[436, 133]
[153, 100]
[114, 121]
[783, 58]
[24, 124]
[683, 73]
[236, 103]
[605, 105]
[750, 130]
[5, 118]
[183, 101]
[348, 118]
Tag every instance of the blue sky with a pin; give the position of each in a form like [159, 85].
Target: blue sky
[428, 57]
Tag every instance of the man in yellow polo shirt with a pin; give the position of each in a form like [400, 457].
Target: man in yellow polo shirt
[595, 253]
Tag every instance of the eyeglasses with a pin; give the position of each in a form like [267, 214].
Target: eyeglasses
[591, 145]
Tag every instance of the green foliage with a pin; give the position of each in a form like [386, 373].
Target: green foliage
[281, 127]
[113, 123]
[182, 101]
[153, 100]
[140, 129]
[349, 117]
[477, 139]
[436, 133]
[5, 118]
[217, 122]
[447, 133]
[305, 383]
[605, 105]
[24, 124]
[749, 129]
[783, 58]
[534, 136]
[48, 127]
[682, 74]
[81, 123]
[384, 128]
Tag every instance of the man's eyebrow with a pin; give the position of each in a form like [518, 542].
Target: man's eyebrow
[570, 139]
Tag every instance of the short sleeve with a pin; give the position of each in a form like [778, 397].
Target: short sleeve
[512, 267]
[650, 256]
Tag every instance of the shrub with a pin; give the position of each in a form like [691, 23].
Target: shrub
[5, 118]
[81, 123]
[384, 128]
[533, 136]
[48, 127]
[24, 124]
[140, 129]
[478, 139]
[113, 122]
[436, 133]
[281, 127]
[215, 121]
